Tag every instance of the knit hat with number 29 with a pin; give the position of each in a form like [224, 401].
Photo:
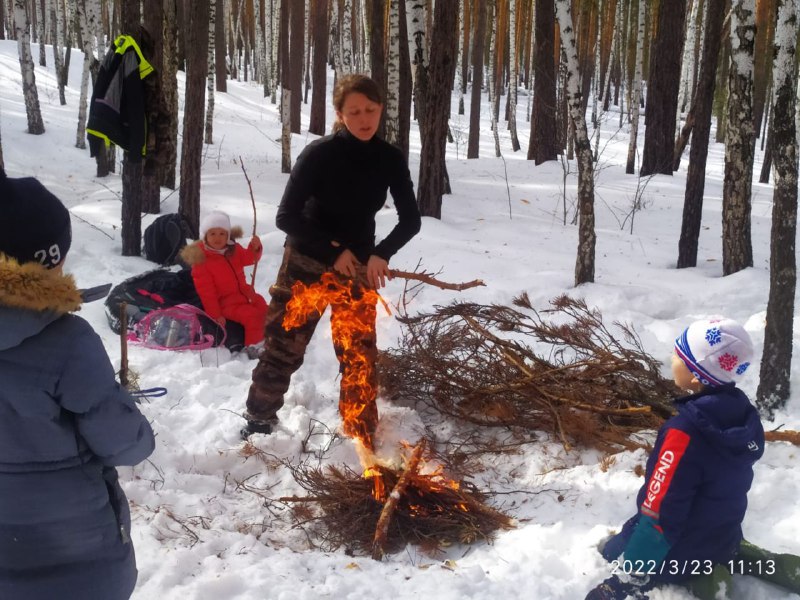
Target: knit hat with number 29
[34, 224]
[716, 350]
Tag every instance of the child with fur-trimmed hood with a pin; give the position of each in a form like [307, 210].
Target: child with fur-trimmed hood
[65, 423]
[218, 263]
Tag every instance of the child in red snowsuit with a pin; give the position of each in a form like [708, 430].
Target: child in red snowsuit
[218, 263]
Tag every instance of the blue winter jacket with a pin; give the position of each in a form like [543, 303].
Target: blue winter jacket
[696, 482]
[64, 425]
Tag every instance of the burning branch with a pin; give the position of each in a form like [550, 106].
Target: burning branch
[382, 529]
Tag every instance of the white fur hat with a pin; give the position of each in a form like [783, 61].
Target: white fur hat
[716, 350]
[213, 220]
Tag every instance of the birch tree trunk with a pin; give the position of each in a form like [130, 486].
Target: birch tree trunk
[584, 265]
[492, 74]
[377, 55]
[41, 29]
[346, 37]
[687, 66]
[463, 54]
[212, 67]
[513, 74]
[194, 105]
[702, 108]
[433, 170]
[543, 144]
[57, 21]
[286, 92]
[415, 23]
[637, 90]
[392, 112]
[478, 40]
[296, 60]
[86, 16]
[406, 85]
[737, 249]
[22, 33]
[275, 37]
[776, 361]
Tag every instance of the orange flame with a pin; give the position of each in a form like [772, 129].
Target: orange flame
[353, 329]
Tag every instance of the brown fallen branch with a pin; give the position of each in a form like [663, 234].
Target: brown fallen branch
[255, 221]
[382, 528]
[784, 435]
[429, 279]
[124, 381]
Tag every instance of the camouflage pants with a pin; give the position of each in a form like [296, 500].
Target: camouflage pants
[284, 350]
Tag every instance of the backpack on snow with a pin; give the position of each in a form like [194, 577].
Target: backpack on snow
[173, 328]
[165, 237]
[160, 289]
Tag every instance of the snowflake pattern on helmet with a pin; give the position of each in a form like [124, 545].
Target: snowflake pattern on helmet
[713, 336]
[742, 368]
[728, 361]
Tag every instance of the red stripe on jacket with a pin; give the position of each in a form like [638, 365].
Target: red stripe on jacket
[670, 455]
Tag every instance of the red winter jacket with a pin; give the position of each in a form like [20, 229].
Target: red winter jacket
[219, 278]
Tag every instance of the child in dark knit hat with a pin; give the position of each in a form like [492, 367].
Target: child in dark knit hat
[65, 423]
[692, 504]
[218, 263]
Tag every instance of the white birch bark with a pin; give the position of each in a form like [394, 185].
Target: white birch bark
[336, 38]
[637, 89]
[364, 55]
[393, 74]
[346, 38]
[415, 23]
[260, 72]
[212, 69]
[737, 249]
[86, 13]
[584, 265]
[57, 17]
[41, 29]
[595, 83]
[274, 41]
[614, 54]
[532, 66]
[459, 59]
[22, 31]
[513, 74]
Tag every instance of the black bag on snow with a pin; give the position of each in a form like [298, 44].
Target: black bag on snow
[165, 237]
[162, 288]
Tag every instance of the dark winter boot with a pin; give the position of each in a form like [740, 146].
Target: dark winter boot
[252, 427]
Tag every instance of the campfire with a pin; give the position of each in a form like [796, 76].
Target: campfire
[423, 505]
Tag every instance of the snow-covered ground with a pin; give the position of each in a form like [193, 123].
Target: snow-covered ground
[200, 535]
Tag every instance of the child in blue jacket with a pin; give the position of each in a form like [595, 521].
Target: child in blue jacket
[693, 501]
[65, 423]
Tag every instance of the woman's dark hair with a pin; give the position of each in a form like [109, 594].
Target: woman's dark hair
[354, 83]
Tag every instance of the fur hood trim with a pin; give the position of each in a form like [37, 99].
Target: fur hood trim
[32, 287]
[194, 253]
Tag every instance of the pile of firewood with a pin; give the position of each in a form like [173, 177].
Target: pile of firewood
[419, 508]
[561, 371]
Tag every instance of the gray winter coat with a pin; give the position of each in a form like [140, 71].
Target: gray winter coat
[64, 425]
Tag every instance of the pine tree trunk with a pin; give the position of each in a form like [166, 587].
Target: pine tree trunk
[637, 90]
[377, 58]
[296, 60]
[776, 362]
[194, 105]
[721, 97]
[22, 33]
[319, 68]
[212, 67]
[220, 69]
[404, 115]
[169, 90]
[737, 249]
[131, 169]
[543, 145]
[662, 89]
[443, 57]
[478, 39]
[702, 109]
[584, 265]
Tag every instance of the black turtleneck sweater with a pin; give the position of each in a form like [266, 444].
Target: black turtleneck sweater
[336, 187]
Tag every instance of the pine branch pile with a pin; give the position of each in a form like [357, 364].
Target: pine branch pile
[427, 511]
[560, 371]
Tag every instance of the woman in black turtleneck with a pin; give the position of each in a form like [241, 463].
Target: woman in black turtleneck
[328, 209]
